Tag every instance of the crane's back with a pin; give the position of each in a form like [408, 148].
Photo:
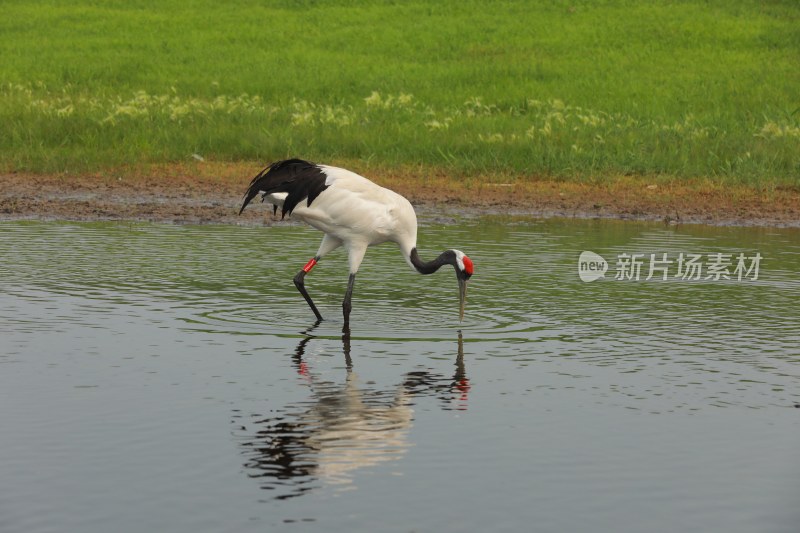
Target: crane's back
[353, 208]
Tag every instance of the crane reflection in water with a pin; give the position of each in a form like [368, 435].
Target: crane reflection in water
[341, 427]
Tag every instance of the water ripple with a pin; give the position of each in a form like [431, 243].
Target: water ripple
[525, 301]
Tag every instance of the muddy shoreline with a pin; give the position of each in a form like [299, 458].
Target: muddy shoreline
[212, 195]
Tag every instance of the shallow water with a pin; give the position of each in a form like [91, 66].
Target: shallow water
[170, 378]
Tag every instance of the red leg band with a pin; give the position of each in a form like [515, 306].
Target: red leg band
[309, 266]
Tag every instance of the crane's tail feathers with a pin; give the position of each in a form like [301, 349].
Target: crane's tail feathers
[250, 193]
[297, 178]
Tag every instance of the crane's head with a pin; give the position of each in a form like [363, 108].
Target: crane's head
[464, 269]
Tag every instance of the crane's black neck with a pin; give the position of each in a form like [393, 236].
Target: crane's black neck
[448, 257]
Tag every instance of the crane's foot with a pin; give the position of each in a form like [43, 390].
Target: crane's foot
[301, 286]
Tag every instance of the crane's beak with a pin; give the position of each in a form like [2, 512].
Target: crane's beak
[462, 296]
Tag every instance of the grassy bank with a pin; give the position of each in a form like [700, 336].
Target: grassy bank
[567, 90]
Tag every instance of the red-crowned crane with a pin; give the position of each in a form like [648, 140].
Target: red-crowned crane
[353, 212]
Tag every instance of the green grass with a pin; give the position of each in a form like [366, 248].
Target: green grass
[570, 90]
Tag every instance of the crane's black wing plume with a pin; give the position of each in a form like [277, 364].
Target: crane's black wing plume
[297, 178]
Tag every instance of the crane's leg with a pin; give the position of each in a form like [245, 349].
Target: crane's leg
[301, 286]
[347, 304]
[328, 244]
[356, 251]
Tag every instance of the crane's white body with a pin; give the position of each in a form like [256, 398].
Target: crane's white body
[356, 213]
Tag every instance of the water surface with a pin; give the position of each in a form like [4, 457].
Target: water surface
[170, 378]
